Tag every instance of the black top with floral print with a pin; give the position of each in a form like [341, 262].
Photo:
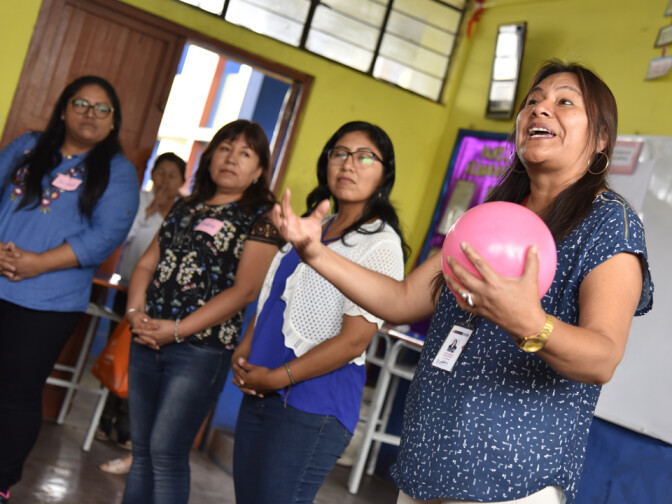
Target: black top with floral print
[200, 248]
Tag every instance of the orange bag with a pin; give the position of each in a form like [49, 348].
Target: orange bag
[111, 368]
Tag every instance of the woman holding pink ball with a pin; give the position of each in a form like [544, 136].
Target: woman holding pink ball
[508, 419]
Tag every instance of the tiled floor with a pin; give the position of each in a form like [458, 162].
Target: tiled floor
[58, 471]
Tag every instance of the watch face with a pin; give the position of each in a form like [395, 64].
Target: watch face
[533, 344]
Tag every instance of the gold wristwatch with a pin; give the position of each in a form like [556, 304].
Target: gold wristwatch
[536, 342]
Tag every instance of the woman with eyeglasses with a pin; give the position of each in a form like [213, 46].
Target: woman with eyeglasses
[186, 299]
[301, 362]
[67, 200]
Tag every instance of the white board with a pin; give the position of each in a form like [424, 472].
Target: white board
[639, 396]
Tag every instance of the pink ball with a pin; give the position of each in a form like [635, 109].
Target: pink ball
[502, 232]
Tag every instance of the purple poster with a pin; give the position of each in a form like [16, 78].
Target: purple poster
[477, 167]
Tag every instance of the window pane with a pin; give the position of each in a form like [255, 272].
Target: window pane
[345, 28]
[505, 69]
[369, 11]
[407, 78]
[214, 6]
[283, 23]
[421, 33]
[502, 95]
[508, 41]
[430, 12]
[414, 56]
[339, 50]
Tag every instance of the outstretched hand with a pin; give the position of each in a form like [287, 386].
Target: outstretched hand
[303, 233]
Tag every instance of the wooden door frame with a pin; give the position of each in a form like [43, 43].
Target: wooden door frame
[300, 82]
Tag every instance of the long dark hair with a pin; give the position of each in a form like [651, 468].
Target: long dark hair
[46, 155]
[257, 193]
[378, 205]
[574, 203]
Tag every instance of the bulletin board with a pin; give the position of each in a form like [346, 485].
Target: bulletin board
[478, 160]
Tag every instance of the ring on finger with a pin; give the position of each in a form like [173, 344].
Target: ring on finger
[469, 300]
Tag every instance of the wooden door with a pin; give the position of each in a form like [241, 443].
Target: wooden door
[102, 37]
[127, 47]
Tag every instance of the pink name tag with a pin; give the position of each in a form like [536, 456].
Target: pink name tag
[66, 182]
[210, 226]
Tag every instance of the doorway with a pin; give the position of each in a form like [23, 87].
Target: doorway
[211, 89]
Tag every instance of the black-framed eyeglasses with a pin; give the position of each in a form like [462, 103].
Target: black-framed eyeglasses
[361, 158]
[82, 106]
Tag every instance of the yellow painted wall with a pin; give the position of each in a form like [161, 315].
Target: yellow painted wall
[614, 37]
[16, 28]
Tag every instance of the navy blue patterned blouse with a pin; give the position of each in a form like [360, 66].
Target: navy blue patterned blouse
[504, 424]
[195, 266]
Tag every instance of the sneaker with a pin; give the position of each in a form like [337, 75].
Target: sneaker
[116, 466]
[127, 445]
[4, 497]
[101, 435]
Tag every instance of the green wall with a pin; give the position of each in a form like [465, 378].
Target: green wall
[614, 37]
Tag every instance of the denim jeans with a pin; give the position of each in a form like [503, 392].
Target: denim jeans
[282, 455]
[170, 391]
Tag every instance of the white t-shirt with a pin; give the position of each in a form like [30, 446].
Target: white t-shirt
[139, 237]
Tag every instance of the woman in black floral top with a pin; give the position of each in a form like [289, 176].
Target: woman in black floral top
[185, 304]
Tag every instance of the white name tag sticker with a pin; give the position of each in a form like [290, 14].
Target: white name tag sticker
[452, 347]
[210, 226]
[66, 182]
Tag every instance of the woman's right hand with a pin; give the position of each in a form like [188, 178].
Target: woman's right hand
[7, 258]
[304, 233]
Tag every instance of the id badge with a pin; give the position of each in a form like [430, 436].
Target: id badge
[452, 347]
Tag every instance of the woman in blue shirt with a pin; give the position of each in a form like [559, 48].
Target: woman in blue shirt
[301, 361]
[67, 200]
[511, 420]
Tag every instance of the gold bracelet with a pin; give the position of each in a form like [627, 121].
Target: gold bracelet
[289, 372]
[536, 342]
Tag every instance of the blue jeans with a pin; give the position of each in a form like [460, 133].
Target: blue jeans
[170, 391]
[282, 455]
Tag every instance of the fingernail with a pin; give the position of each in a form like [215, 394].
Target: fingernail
[463, 245]
[535, 248]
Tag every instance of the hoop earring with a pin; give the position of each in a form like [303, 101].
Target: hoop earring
[603, 169]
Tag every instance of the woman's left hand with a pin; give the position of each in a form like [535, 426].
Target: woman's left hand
[17, 264]
[511, 303]
[257, 380]
[155, 333]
